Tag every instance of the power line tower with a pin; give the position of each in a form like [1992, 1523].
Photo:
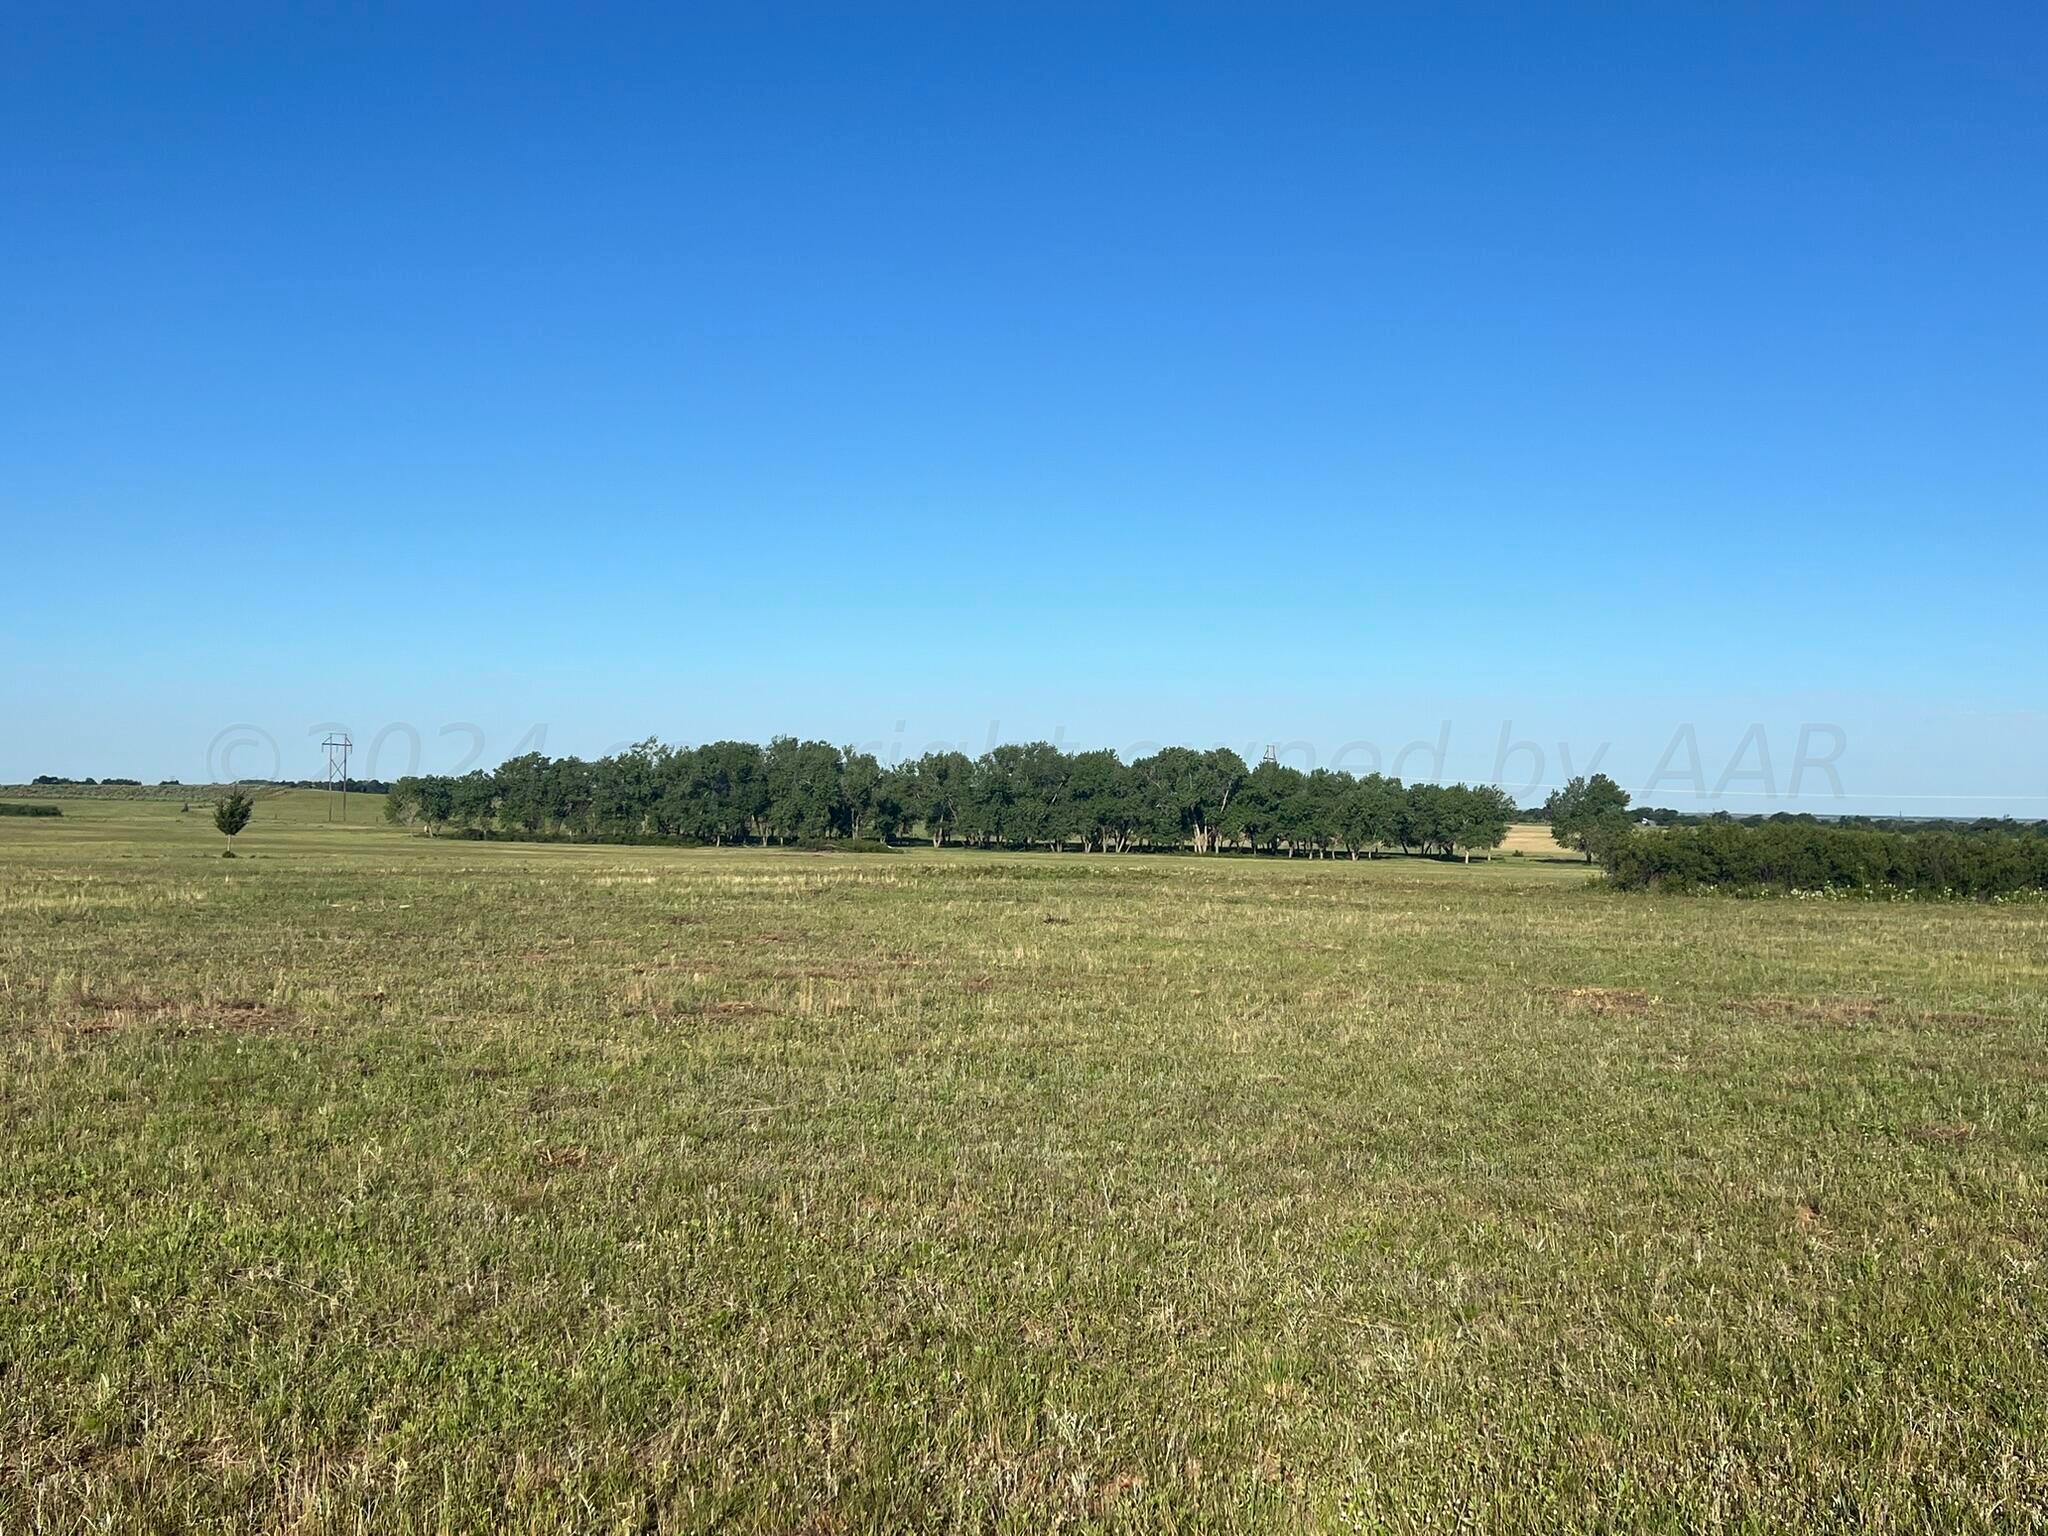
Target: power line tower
[337, 770]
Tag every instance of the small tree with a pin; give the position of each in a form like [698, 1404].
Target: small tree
[231, 813]
[1587, 813]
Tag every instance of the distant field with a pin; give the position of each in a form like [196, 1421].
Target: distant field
[152, 818]
[110, 792]
[373, 1183]
[1532, 840]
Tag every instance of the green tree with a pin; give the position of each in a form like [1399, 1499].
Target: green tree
[721, 793]
[1264, 810]
[1097, 807]
[1369, 814]
[936, 790]
[1477, 817]
[231, 813]
[983, 805]
[1185, 794]
[803, 787]
[475, 797]
[1425, 819]
[522, 793]
[1587, 814]
[889, 805]
[860, 788]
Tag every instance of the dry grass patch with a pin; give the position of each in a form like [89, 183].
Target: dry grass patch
[1627, 1001]
[1840, 1011]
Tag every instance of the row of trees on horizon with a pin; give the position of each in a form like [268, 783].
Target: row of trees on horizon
[1031, 795]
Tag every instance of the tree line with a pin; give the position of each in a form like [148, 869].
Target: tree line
[1793, 855]
[1032, 795]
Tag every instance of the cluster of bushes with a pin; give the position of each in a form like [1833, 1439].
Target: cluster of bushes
[8, 808]
[1795, 855]
[808, 793]
[51, 780]
[1664, 816]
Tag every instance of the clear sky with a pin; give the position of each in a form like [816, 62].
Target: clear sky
[1115, 374]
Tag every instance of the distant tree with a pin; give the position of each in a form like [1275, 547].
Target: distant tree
[1369, 814]
[568, 793]
[734, 787]
[999, 805]
[1260, 811]
[860, 789]
[888, 805]
[1097, 807]
[522, 793]
[1478, 815]
[937, 788]
[1185, 795]
[475, 798]
[803, 787]
[231, 813]
[1586, 813]
[1424, 821]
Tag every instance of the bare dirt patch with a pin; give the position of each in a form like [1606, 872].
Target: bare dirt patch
[1628, 1001]
[1949, 1134]
[1839, 1011]
[1964, 1019]
[731, 1008]
[99, 1014]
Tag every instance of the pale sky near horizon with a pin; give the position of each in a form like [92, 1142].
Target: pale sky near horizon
[1328, 377]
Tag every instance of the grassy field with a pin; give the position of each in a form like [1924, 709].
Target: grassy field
[369, 1183]
[1532, 840]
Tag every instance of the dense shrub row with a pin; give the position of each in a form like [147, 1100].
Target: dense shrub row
[809, 792]
[1806, 856]
[8, 808]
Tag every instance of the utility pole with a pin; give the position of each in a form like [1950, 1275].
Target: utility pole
[337, 770]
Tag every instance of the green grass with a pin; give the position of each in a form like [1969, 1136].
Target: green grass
[373, 1183]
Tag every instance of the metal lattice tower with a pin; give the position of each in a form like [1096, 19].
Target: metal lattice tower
[337, 770]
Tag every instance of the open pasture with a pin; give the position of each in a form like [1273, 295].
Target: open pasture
[383, 1184]
[1532, 840]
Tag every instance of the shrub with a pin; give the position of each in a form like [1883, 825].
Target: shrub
[1810, 856]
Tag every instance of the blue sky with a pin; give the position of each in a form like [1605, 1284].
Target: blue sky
[1310, 375]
